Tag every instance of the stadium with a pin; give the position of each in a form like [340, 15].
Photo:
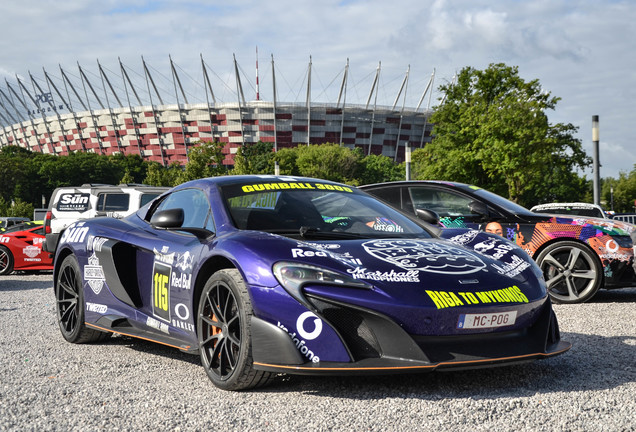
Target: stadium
[144, 111]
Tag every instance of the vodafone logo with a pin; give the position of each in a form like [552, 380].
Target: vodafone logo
[611, 246]
[311, 333]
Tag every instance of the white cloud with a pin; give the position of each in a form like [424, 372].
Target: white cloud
[580, 51]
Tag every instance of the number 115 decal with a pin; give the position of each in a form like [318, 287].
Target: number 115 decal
[161, 291]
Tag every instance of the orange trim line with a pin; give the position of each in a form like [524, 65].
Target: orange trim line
[412, 367]
[135, 336]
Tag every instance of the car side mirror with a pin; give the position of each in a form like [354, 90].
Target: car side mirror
[427, 216]
[170, 218]
[479, 208]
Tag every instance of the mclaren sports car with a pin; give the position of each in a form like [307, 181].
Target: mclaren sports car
[263, 275]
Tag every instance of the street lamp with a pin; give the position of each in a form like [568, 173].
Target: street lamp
[597, 164]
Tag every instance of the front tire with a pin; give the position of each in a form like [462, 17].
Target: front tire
[69, 296]
[6, 261]
[572, 272]
[223, 324]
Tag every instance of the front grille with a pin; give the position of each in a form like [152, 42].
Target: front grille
[352, 327]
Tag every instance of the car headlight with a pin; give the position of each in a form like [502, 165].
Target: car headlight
[623, 241]
[293, 276]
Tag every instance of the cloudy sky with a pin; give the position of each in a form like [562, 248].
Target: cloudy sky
[581, 51]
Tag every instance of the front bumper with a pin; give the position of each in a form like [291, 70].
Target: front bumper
[377, 345]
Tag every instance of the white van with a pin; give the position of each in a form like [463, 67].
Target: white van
[70, 204]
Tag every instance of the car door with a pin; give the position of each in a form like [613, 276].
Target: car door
[455, 208]
[166, 263]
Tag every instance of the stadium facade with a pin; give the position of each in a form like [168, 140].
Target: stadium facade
[129, 112]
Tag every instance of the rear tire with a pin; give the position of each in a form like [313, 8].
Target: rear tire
[6, 261]
[225, 340]
[69, 296]
[572, 272]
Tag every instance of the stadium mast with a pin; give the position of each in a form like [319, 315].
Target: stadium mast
[239, 96]
[405, 85]
[375, 87]
[133, 117]
[22, 128]
[274, 99]
[428, 106]
[175, 80]
[68, 105]
[343, 92]
[90, 109]
[258, 96]
[154, 112]
[309, 101]
[11, 90]
[52, 106]
[110, 110]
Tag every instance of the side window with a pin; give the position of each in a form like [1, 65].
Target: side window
[113, 202]
[445, 204]
[147, 197]
[195, 205]
[394, 196]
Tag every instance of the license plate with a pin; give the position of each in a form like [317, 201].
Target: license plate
[487, 320]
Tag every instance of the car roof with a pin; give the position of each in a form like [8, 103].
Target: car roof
[411, 182]
[237, 179]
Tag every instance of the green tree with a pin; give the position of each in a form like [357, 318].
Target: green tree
[12, 170]
[158, 175]
[329, 162]
[131, 164]
[493, 131]
[286, 158]
[379, 168]
[17, 208]
[624, 192]
[204, 160]
[127, 178]
[254, 159]
[79, 168]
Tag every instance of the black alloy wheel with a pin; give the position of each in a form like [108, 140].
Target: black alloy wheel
[224, 332]
[6, 261]
[572, 272]
[69, 296]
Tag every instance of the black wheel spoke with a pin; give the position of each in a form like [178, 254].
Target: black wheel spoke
[209, 340]
[221, 322]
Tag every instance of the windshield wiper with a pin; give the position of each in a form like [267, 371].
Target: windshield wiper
[316, 233]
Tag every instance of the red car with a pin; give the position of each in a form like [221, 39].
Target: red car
[21, 249]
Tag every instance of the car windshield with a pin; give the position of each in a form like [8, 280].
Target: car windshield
[315, 210]
[22, 227]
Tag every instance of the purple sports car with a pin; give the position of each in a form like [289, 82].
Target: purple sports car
[263, 275]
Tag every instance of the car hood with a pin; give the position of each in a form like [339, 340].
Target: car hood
[407, 270]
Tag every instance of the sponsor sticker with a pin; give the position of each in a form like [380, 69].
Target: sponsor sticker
[262, 187]
[427, 256]
[31, 251]
[308, 327]
[161, 290]
[96, 307]
[94, 274]
[73, 202]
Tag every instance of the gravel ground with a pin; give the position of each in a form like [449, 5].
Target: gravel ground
[127, 384]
